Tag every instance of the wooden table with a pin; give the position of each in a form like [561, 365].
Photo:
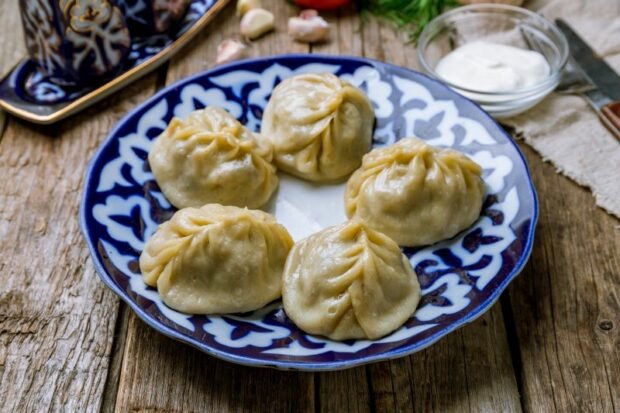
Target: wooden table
[552, 343]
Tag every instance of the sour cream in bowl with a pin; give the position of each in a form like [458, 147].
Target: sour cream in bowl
[507, 59]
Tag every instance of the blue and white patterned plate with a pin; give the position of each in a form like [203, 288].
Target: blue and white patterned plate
[460, 278]
[28, 93]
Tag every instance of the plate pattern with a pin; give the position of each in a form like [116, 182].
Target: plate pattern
[460, 278]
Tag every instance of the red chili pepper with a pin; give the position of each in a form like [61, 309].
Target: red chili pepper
[322, 4]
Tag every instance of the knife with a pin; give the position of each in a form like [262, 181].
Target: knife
[604, 97]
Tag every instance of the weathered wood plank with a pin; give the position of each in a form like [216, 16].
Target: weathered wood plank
[115, 364]
[469, 370]
[566, 303]
[56, 318]
[489, 370]
[346, 33]
[2, 123]
[343, 391]
[162, 375]
[11, 41]
[193, 381]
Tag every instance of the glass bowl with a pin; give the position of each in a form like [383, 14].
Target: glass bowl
[498, 23]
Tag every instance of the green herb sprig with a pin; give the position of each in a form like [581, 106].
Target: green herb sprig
[412, 15]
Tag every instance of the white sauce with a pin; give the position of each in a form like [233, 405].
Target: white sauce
[492, 67]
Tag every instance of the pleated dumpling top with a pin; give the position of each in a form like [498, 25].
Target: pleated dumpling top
[320, 126]
[217, 259]
[349, 282]
[415, 193]
[212, 158]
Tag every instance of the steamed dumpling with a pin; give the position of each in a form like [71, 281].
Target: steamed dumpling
[349, 282]
[320, 126]
[216, 259]
[415, 193]
[211, 158]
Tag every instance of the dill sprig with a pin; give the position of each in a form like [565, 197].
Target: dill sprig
[411, 15]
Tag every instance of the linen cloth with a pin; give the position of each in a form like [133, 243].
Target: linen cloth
[564, 129]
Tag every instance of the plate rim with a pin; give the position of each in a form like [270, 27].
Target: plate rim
[170, 332]
[116, 83]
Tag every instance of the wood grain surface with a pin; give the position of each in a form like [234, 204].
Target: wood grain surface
[12, 47]
[566, 303]
[56, 318]
[11, 43]
[68, 344]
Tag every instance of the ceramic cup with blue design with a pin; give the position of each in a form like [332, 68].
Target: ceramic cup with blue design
[75, 41]
[146, 17]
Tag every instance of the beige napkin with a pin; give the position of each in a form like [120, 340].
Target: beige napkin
[564, 129]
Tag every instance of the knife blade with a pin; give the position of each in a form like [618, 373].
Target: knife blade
[604, 97]
[589, 91]
[594, 67]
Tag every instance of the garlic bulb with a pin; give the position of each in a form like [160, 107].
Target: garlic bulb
[244, 6]
[309, 27]
[229, 50]
[255, 23]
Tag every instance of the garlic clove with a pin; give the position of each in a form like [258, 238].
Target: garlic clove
[244, 6]
[255, 23]
[229, 50]
[309, 27]
[308, 14]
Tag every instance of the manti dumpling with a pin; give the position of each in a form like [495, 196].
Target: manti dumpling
[211, 158]
[415, 193]
[320, 126]
[216, 259]
[349, 282]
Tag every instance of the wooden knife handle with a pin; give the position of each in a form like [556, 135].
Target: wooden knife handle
[610, 116]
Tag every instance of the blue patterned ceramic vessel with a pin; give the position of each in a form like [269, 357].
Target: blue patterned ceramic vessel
[60, 64]
[460, 278]
[30, 92]
[145, 17]
[75, 41]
